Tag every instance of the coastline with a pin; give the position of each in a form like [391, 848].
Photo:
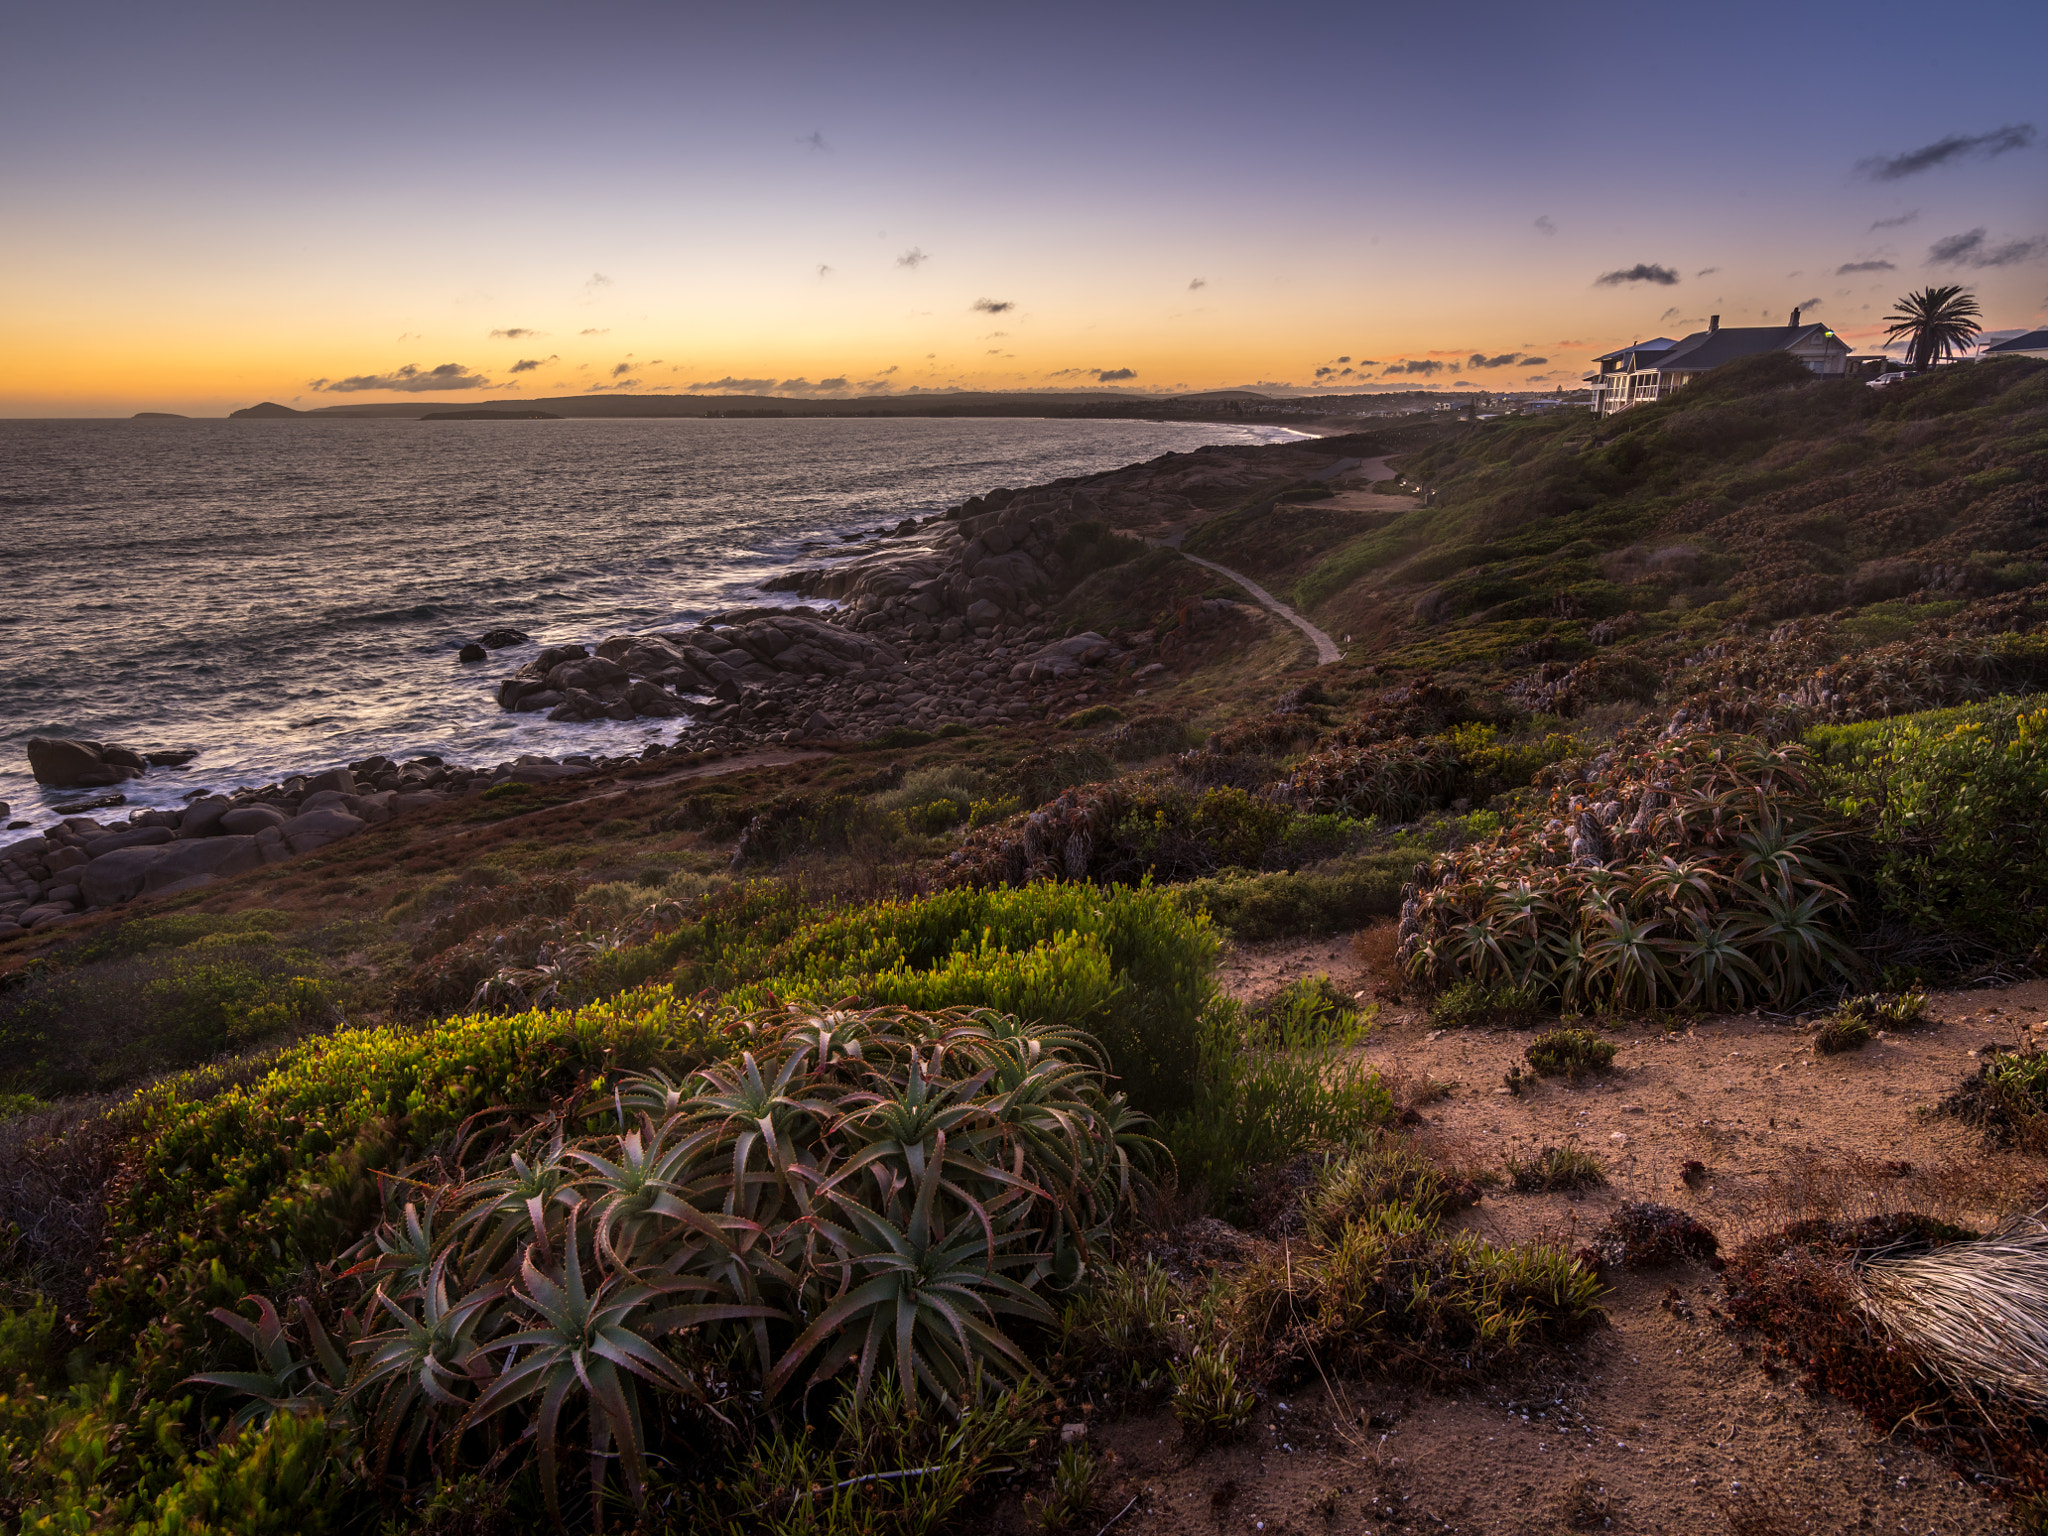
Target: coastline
[938, 627]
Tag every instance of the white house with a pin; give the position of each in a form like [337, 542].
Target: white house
[1651, 370]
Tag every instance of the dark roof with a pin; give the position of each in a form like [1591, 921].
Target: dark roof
[1655, 344]
[1710, 349]
[2033, 341]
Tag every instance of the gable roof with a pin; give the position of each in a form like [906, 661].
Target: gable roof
[1710, 349]
[2033, 341]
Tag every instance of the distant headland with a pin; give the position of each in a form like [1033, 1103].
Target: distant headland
[158, 416]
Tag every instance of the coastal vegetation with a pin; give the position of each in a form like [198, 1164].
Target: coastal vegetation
[806, 1143]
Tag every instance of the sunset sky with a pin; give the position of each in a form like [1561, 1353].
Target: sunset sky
[211, 205]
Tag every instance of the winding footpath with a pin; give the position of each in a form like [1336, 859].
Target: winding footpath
[1326, 648]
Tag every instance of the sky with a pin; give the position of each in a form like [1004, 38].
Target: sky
[204, 206]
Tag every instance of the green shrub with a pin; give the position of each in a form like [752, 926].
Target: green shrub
[1956, 802]
[1042, 775]
[1208, 1399]
[986, 813]
[1569, 1052]
[1306, 1008]
[2006, 1099]
[800, 824]
[935, 816]
[1328, 898]
[1468, 1005]
[1127, 964]
[1297, 1084]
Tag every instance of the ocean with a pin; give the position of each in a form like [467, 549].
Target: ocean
[283, 596]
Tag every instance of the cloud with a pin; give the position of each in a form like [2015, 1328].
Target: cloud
[410, 380]
[835, 383]
[1424, 366]
[816, 141]
[1544, 225]
[1641, 272]
[595, 281]
[1982, 146]
[1343, 359]
[1197, 283]
[1481, 360]
[1848, 267]
[528, 364]
[621, 368]
[1897, 220]
[1706, 271]
[1972, 250]
[514, 333]
[1534, 362]
[992, 306]
[823, 270]
[1114, 375]
[595, 330]
[912, 258]
[732, 386]
[1668, 314]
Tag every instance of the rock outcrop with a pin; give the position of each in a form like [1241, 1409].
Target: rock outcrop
[64, 763]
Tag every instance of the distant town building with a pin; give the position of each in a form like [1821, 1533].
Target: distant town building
[1651, 370]
[2033, 344]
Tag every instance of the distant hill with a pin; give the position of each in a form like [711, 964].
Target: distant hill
[490, 416]
[158, 416]
[267, 411]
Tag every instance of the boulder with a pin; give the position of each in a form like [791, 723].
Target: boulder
[117, 877]
[821, 725]
[271, 846]
[982, 611]
[316, 829]
[532, 703]
[331, 800]
[542, 773]
[134, 837]
[333, 778]
[214, 857]
[202, 816]
[498, 639]
[172, 757]
[70, 764]
[65, 858]
[472, 652]
[248, 820]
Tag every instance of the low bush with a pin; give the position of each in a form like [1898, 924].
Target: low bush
[1568, 1052]
[1332, 897]
[1264, 1095]
[1643, 1235]
[800, 824]
[1208, 1399]
[2006, 1099]
[1309, 1007]
[1384, 1172]
[1148, 736]
[1042, 775]
[1555, 1170]
[1468, 1005]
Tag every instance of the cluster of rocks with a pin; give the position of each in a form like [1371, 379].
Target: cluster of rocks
[71, 764]
[80, 864]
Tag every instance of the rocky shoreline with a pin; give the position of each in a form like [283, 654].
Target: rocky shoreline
[944, 623]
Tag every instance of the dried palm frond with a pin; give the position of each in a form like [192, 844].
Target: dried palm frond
[1975, 1313]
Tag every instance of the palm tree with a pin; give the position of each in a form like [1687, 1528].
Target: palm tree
[1937, 322]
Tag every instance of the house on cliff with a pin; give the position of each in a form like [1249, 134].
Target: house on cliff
[1651, 370]
[2032, 344]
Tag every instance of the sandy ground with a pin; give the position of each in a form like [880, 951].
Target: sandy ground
[1664, 1420]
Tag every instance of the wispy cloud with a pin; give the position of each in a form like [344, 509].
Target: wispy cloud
[621, 368]
[1897, 220]
[514, 333]
[528, 364]
[823, 270]
[595, 330]
[1972, 249]
[1425, 366]
[913, 258]
[595, 281]
[1957, 146]
[1706, 271]
[1807, 304]
[1114, 375]
[1534, 362]
[815, 140]
[1197, 283]
[1848, 268]
[992, 306]
[1641, 272]
[1481, 360]
[732, 386]
[1545, 225]
[409, 380]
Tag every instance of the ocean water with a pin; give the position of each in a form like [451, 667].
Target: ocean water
[288, 595]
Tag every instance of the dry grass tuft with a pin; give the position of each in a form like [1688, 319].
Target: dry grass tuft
[1975, 1313]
